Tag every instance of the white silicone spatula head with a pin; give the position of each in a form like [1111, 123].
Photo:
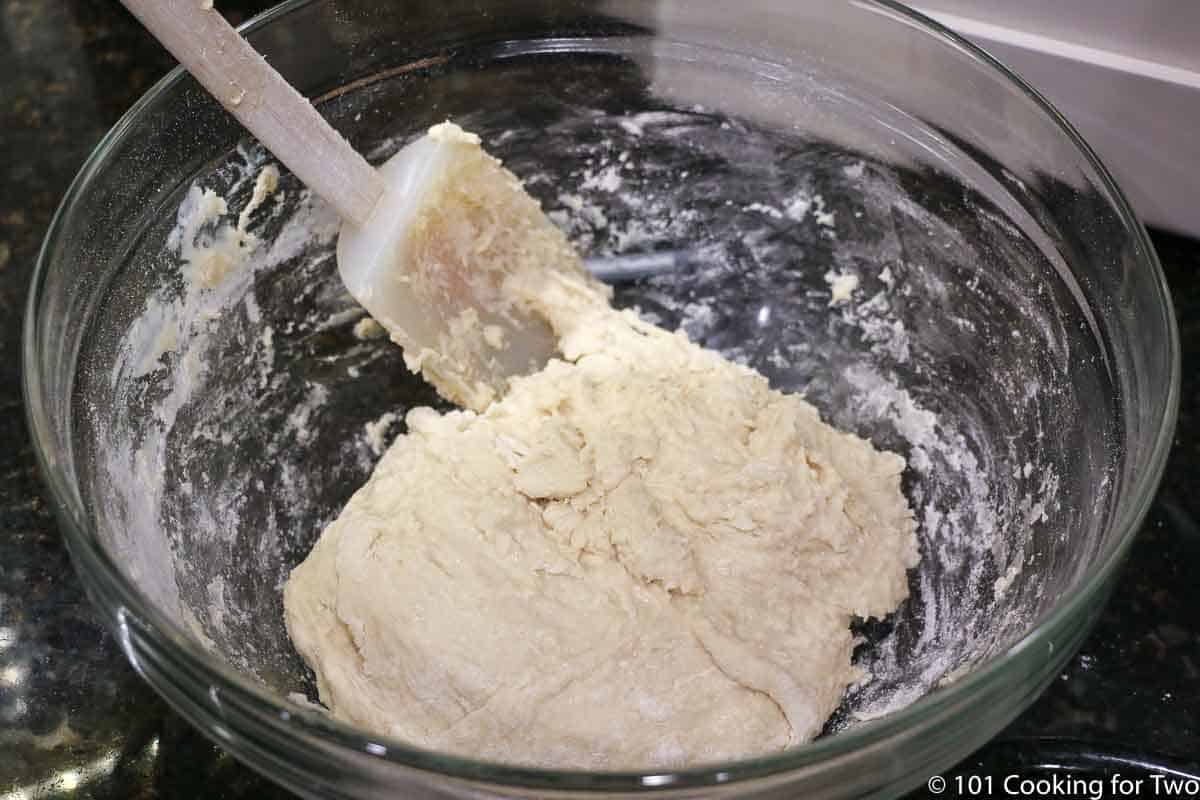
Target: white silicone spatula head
[428, 243]
[445, 260]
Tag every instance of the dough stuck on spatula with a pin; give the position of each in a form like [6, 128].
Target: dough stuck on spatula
[437, 264]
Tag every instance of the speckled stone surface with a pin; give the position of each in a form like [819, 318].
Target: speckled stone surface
[76, 721]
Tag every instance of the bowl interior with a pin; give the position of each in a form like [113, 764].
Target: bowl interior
[219, 425]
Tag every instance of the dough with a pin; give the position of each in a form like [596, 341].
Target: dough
[637, 557]
[640, 557]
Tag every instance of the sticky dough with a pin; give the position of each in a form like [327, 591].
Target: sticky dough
[641, 556]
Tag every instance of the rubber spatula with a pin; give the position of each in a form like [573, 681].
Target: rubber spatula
[427, 241]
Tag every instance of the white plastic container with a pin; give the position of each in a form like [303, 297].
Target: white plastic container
[1126, 73]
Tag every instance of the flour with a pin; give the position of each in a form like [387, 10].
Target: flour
[167, 349]
[770, 211]
[605, 180]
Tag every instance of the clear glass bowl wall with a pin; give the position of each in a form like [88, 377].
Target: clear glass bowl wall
[1011, 335]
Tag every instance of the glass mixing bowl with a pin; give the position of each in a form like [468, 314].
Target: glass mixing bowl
[861, 205]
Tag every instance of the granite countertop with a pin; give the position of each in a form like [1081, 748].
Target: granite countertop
[76, 721]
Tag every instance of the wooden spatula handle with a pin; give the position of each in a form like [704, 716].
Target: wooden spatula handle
[250, 89]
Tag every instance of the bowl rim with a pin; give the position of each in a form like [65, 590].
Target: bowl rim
[93, 563]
